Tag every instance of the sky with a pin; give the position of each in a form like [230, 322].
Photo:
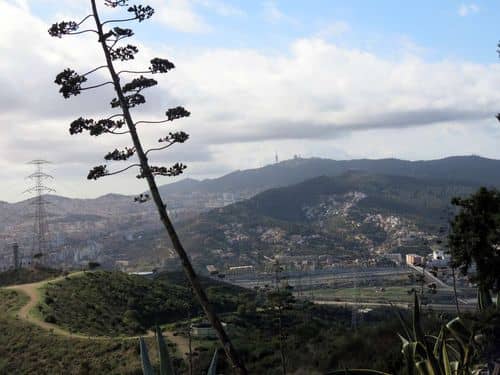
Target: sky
[317, 78]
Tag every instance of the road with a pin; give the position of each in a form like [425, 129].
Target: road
[317, 278]
[434, 307]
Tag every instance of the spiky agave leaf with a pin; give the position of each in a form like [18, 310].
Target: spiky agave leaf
[147, 369]
[460, 332]
[418, 333]
[446, 360]
[402, 321]
[438, 345]
[165, 362]
[212, 370]
[484, 298]
[425, 368]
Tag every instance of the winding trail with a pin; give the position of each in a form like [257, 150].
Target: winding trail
[34, 293]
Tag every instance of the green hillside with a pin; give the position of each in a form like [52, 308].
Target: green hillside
[115, 303]
[27, 349]
[397, 195]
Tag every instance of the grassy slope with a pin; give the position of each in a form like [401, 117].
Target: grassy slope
[114, 303]
[26, 349]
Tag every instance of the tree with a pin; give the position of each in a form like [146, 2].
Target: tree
[475, 238]
[93, 265]
[127, 97]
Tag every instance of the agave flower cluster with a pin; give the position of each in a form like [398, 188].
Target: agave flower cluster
[129, 95]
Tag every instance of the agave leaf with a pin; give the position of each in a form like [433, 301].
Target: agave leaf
[459, 332]
[413, 352]
[212, 370]
[408, 356]
[439, 344]
[418, 350]
[446, 361]
[484, 298]
[147, 369]
[403, 339]
[165, 362]
[417, 326]
[406, 330]
[425, 367]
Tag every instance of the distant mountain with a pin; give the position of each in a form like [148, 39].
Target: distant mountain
[395, 195]
[353, 213]
[470, 169]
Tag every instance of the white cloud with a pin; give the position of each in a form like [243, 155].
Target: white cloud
[180, 15]
[467, 9]
[273, 14]
[315, 99]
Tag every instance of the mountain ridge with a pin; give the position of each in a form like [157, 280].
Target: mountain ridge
[461, 169]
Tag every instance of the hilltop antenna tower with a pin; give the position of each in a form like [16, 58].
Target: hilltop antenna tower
[41, 228]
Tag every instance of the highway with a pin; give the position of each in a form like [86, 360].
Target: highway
[318, 277]
[329, 277]
[434, 307]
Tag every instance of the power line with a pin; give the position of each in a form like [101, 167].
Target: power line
[41, 240]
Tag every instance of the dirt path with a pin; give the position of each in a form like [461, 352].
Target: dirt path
[181, 342]
[34, 294]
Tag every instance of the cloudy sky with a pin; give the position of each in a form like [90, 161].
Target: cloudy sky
[325, 78]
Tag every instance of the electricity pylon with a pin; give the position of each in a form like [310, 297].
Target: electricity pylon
[41, 240]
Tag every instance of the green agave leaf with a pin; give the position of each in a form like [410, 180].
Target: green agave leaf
[484, 298]
[212, 370]
[459, 332]
[165, 361]
[446, 361]
[425, 368]
[454, 365]
[417, 326]
[438, 345]
[408, 356]
[406, 329]
[147, 369]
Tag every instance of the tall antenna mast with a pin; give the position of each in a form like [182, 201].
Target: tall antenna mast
[41, 240]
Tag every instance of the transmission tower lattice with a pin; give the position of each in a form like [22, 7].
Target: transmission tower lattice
[41, 240]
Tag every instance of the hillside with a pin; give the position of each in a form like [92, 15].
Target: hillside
[26, 349]
[348, 215]
[81, 304]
